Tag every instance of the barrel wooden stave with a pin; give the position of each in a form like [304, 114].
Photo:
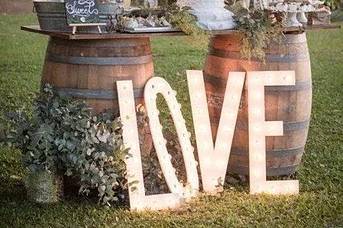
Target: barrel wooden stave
[88, 69]
[291, 104]
[94, 77]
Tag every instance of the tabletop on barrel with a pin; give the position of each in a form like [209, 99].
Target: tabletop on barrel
[96, 36]
[70, 36]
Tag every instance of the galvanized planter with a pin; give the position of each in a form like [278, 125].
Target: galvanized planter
[44, 187]
[52, 15]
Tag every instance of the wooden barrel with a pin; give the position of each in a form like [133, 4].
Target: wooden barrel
[88, 70]
[291, 104]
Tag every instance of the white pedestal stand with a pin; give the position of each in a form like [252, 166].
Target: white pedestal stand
[302, 18]
[211, 14]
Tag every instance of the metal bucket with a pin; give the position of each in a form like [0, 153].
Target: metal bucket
[44, 187]
[52, 15]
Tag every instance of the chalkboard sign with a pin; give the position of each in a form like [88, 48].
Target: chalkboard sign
[82, 12]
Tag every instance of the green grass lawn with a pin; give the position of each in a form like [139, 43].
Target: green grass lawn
[320, 203]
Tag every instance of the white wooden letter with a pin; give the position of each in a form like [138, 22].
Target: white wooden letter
[259, 129]
[156, 86]
[138, 199]
[214, 160]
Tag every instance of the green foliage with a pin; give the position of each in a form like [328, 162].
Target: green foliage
[337, 15]
[62, 135]
[334, 4]
[258, 30]
[34, 135]
[182, 19]
[103, 166]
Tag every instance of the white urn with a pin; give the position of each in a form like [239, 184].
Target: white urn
[211, 14]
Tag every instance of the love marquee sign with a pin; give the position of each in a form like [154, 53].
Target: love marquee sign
[213, 159]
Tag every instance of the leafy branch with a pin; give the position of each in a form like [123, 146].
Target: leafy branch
[259, 28]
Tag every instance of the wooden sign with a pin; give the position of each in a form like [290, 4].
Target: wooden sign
[213, 159]
[82, 13]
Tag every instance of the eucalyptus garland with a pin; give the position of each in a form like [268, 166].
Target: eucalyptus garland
[181, 18]
[259, 28]
[172, 14]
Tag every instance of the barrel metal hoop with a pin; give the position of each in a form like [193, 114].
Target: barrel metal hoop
[287, 126]
[94, 94]
[299, 86]
[296, 126]
[287, 170]
[221, 83]
[269, 57]
[215, 81]
[273, 153]
[78, 60]
[98, 45]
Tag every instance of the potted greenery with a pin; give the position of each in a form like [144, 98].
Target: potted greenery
[34, 136]
[62, 138]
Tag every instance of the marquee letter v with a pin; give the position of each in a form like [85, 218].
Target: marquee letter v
[214, 159]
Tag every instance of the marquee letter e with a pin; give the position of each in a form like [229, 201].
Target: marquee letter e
[259, 129]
